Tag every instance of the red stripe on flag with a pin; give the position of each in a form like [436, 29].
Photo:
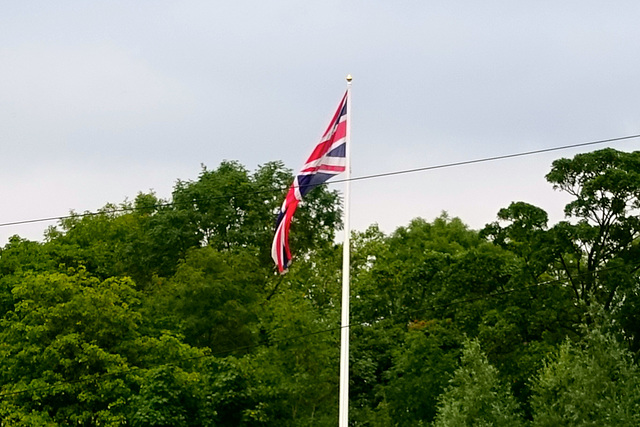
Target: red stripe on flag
[318, 161]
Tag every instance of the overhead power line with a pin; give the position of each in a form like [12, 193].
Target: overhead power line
[490, 159]
[336, 181]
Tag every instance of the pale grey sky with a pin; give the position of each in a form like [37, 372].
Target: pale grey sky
[101, 100]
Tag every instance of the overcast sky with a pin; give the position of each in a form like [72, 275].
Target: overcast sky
[102, 100]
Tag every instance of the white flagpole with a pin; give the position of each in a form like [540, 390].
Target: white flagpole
[344, 336]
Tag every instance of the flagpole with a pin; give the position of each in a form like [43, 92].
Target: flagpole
[344, 336]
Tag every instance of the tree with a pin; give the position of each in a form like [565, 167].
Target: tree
[171, 397]
[296, 371]
[601, 249]
[64, 329]
[606, 188]
[394, 279]
[18, 257]
[228, 209]
[422, 366]
[590, 383]
[525, 234]
[398, 275]
[591, 257]
[72, 351]
[476, 396]
[211, 300]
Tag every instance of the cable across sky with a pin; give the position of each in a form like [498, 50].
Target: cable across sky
[357, 178]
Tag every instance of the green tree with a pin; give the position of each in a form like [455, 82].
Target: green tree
[227, 208]
[591, 258]
[590, 383]
[72, 351]
[212, 299]
[18, 257]
[170, 397]
[398, 276]
[422, 366]
[525, 234]
[605, 185]
[296, 372]
[112, 242]
[476, 396]
[63, 330]
[405, 289]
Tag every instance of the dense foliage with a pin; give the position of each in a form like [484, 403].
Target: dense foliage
[169, 312]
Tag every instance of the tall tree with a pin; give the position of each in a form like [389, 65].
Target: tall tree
[602, 245]
[605, 185]
[212, 299]
[72, 350]
[476, 396]
[590, 383]
[226, 208]
[422, 366]
[594, 253]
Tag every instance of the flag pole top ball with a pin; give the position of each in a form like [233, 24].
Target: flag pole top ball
[349, 78]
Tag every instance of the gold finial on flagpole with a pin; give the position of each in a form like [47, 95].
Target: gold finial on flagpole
[349, 78]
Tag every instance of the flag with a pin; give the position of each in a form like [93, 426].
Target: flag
[328, 158]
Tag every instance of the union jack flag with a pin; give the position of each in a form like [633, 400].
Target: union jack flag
[326, 160]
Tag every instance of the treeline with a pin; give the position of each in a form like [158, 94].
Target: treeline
[169, 312]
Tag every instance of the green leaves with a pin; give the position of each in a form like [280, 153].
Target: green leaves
[422, 366]
[606, 183]
[590, 383]
[210, 300]
[476, 396]
[66, 330]
[168, 313]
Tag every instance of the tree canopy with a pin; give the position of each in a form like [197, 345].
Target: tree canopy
[158, 312]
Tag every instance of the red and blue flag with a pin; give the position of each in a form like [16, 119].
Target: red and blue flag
[329, 158]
